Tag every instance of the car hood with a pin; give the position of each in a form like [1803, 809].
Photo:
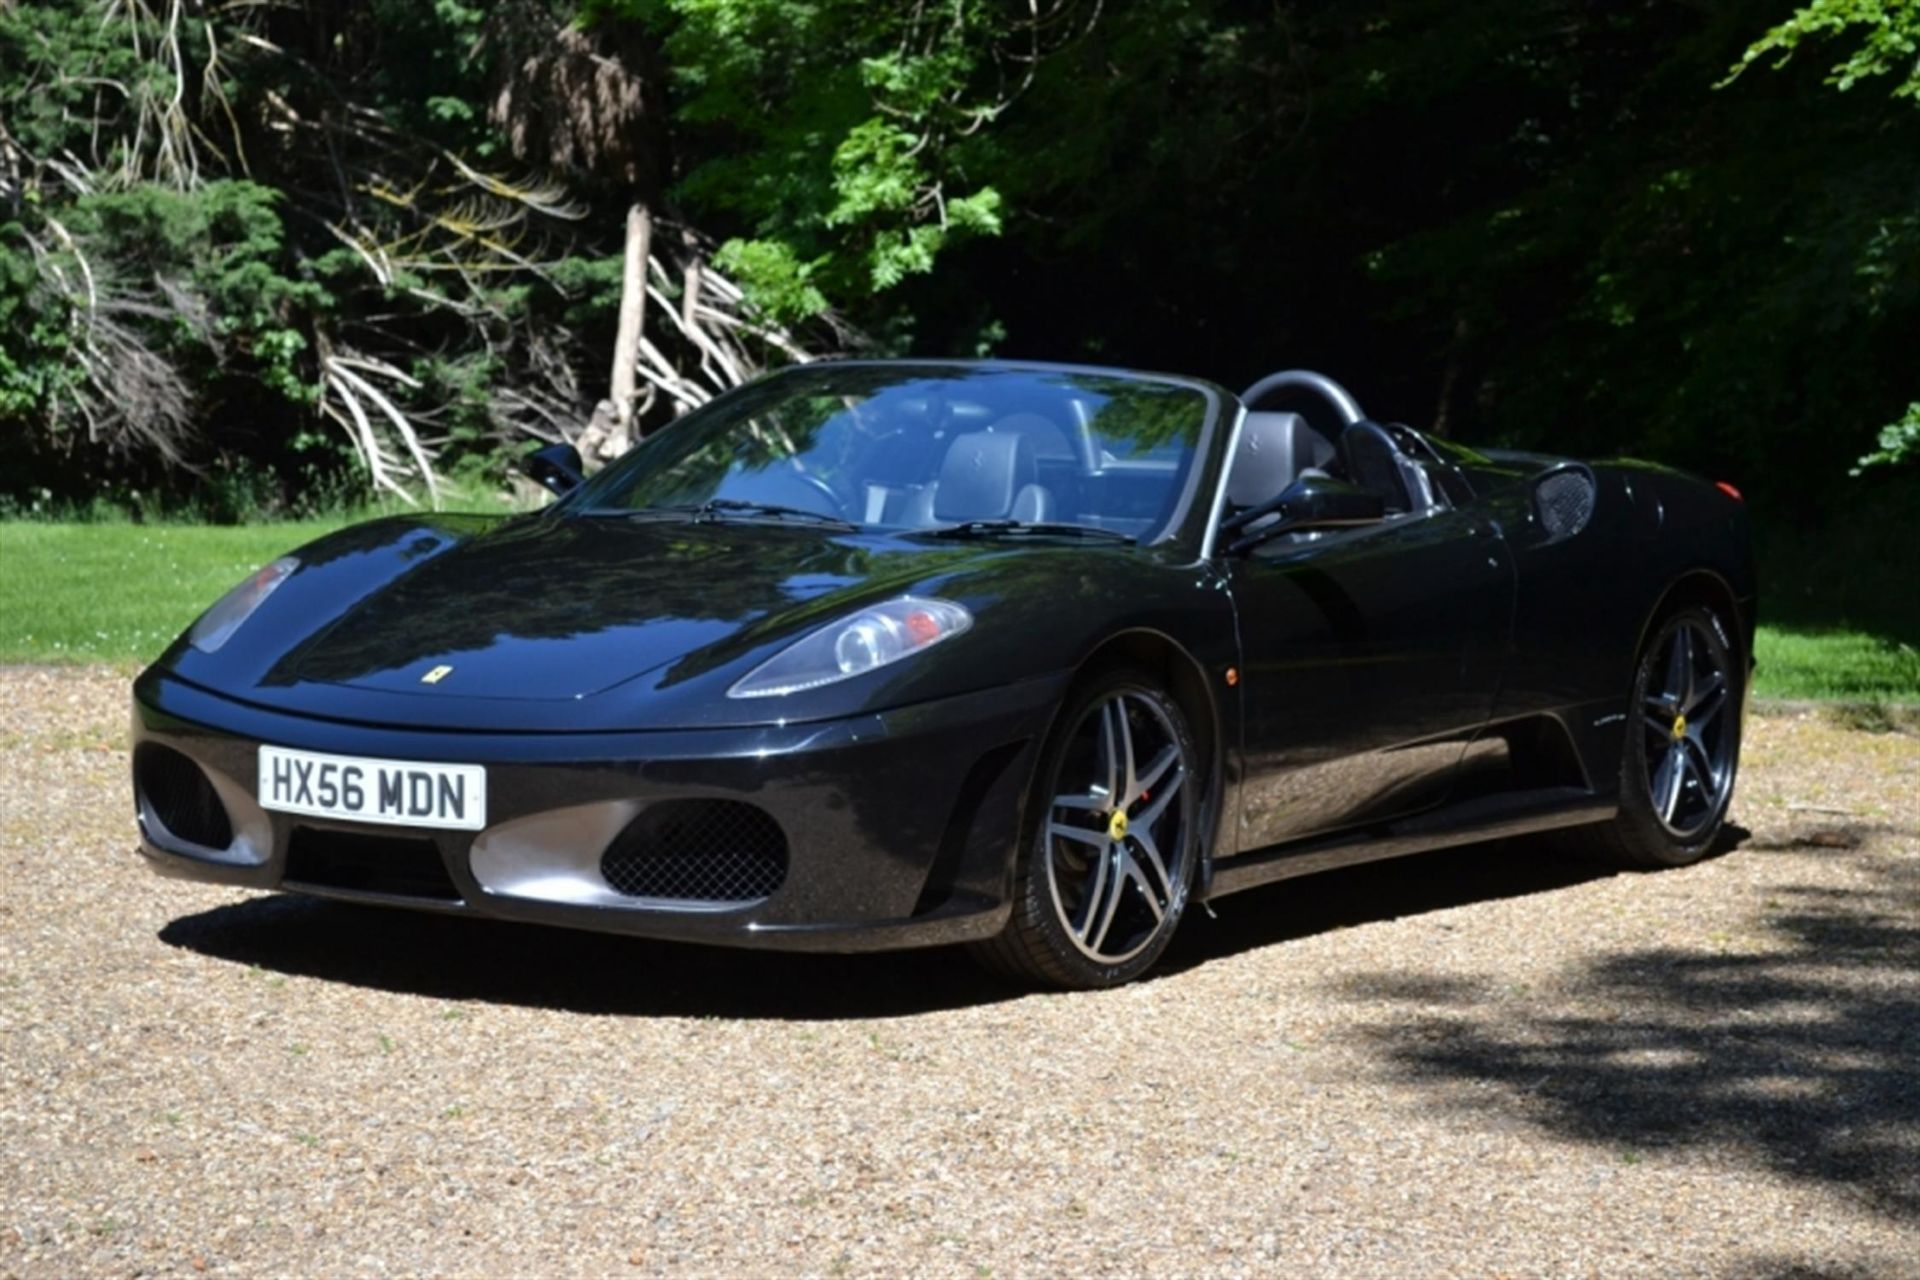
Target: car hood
[566, 609]
[539, 623]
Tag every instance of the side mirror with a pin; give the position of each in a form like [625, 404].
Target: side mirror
[1311, 502]
[557, 468]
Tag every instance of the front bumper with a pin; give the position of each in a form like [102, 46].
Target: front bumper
[900, 826]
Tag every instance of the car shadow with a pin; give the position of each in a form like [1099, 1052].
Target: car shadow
[1299, 908]
[471, 958]
[502, 962]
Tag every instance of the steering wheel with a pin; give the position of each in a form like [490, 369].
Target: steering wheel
[1307, 380]
[783, 484]
[835, 507]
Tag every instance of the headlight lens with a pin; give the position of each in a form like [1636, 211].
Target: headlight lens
[217, 625]
[871, 638]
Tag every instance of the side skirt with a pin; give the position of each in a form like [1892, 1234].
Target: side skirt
[1516, 813]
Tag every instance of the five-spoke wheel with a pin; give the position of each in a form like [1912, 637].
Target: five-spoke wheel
[1689, 743]
[1683, 748]
[1104, 879]
[1109, 882]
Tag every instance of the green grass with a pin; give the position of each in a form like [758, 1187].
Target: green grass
[1841, 615]
[121, 592]
[1834, 662]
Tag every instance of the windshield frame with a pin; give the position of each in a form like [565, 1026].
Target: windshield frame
[1181, 523]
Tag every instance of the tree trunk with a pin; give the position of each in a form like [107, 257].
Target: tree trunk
[633, 313]
[1450, 376]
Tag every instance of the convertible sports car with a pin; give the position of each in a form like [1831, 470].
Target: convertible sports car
[876, 654]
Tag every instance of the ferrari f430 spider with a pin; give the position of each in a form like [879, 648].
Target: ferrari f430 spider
[876, 654]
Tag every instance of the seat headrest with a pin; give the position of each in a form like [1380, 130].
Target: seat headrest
[982, 472]
[1043, 434]
[1274, 449]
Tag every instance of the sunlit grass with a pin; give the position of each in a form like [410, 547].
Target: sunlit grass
[1833, 662]
[122, 592]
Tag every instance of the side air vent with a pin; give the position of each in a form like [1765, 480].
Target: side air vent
[175, 790]
[1564, 501]
[703, 851]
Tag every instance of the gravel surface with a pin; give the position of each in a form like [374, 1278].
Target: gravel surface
[1476, 1063]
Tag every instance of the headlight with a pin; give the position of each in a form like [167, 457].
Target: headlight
[217, 625]
[874, 637]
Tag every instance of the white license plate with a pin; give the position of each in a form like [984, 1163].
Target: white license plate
[405, 793]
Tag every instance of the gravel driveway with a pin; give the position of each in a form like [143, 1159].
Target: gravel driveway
[1483, 1062]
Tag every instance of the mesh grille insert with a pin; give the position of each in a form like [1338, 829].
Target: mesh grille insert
[698, 851]
[407, 867]
[1566, 502]
[179, 794]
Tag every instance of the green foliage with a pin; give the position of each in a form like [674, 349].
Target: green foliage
[1529, 222]
[835, 131]
[67, 68]
[779, 283]
[1899, 441]
[222, 246]
[1888, 33]
[1889, 44]
[200, 208]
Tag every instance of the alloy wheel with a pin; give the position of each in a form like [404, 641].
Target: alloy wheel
[1689, 747]
[1118, 829]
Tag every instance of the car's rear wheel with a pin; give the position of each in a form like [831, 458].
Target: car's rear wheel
[1682, 748]
[1104, 872]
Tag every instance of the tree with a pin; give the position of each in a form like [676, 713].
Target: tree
[845, 139]
[310, 239]
[1889, 45]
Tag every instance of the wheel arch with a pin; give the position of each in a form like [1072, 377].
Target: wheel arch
[1697, 586]
[1185, 680]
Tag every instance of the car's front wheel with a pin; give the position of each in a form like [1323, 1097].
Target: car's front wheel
[1113, 834]
[1682, 747]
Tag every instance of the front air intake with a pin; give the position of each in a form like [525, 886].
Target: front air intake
[705, 851]
[180, 796]
[358, 862]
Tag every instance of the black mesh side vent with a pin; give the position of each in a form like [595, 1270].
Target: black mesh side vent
[181, 796]
[698, 851]
[1565, 500]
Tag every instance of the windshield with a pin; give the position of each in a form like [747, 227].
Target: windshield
[902, 446]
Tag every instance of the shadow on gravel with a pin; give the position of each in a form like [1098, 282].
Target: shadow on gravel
[452, 958]
[1797, 1055]
[1302, 907]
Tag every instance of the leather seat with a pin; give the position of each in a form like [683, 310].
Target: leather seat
[1274, 449]
[985, 476]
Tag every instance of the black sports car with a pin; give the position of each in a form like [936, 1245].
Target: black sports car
[885, 654]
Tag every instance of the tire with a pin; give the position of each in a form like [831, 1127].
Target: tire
[1099, 888]
[1682, 750]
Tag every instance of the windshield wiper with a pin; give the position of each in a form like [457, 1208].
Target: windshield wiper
[721, 509]
[715, 508]
[1023, 528]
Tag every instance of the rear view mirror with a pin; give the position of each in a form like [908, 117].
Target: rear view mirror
[557, 468]
[1311, 502]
